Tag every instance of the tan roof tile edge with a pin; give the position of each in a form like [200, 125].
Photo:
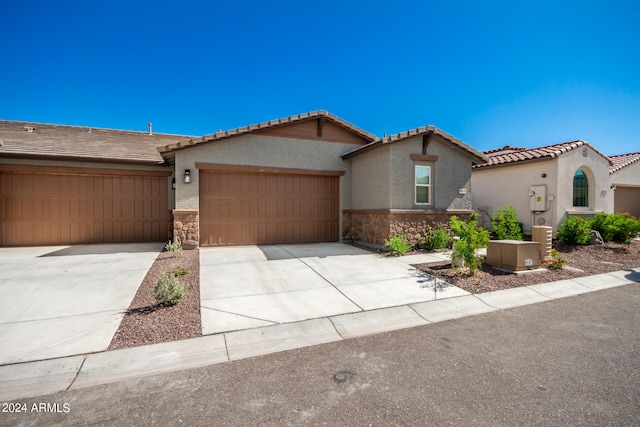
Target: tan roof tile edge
[538, 153]
[413, 132]
[634, 158]
[264, 125]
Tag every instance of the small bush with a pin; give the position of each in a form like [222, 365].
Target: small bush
[619, 227]
[169, 290]
[472, 238]
[174, 247]
[504, 223]
[437, 238]
[398, 245]
[575, 231]
[556, 262]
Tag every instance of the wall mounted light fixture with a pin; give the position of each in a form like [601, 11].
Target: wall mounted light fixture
[173, 183]
[187, 176]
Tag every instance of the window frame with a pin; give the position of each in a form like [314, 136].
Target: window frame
[584, 190]
[416, 185]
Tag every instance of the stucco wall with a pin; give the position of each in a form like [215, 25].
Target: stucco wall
[497, 187]
[370, 179]
[627, 176]
[597, 171]
[449, 173]
[253, 150]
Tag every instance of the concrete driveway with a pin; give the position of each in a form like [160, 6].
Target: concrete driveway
[65, 300]
[251, 286]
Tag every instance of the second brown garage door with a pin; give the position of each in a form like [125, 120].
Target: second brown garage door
[255, 208]
[49, 206]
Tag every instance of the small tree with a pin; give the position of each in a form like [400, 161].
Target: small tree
[472, 238]
[504, 223]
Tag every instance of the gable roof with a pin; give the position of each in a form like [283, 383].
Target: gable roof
[221, 135]
[381, 142]
[38, 140]
[622, 161]
[514, 155]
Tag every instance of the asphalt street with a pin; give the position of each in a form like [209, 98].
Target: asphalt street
[571, 361]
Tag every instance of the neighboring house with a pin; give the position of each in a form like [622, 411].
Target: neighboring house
[305, 178]
[545, 185]
[625, 178]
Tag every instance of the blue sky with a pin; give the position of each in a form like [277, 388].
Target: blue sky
[490, 73]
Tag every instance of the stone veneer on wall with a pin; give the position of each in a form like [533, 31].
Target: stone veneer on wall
[375, 226]
[186, 227]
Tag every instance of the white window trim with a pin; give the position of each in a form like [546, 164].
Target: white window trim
[416, 185]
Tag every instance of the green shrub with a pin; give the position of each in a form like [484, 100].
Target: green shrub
[436, 238]
[619, 227]
[504, 223]
[556, 262]
[169, 290]
[398, 244]
[472, 238]
[174, 247]
[575, 231]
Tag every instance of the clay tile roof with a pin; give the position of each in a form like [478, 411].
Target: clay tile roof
[454, 142]
[508, 155]
[25, 139]
[261, 126]
[622, 161]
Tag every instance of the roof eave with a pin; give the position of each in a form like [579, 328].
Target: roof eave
[82, 159]
[223, 135]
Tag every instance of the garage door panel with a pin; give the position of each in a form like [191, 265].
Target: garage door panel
[237, 209]
[58, 208]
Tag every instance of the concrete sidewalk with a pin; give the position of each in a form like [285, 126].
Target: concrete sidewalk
[49, 376]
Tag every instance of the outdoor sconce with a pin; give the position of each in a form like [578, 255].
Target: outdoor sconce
[187, 176]
[173, 183]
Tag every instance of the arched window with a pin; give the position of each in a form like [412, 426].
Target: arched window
[580, 189]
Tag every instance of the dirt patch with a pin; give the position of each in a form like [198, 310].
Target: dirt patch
[581, 261]
[147, 322]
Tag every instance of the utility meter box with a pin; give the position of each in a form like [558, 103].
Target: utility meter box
[538, 198]
[513, 255]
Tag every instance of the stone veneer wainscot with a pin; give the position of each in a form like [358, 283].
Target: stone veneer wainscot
[186, 227]
[375, 226]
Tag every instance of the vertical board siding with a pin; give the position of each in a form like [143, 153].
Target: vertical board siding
[247, 209]
[49, 209]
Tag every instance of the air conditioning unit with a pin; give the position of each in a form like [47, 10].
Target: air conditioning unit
[513, 255]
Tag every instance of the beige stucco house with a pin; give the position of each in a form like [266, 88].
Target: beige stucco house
[305, 178]
[545, 185]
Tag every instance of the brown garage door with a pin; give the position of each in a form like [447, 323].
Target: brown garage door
[248, 209]
[627, 199]
[65, 208]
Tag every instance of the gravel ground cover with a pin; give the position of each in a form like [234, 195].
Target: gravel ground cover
[147, 322]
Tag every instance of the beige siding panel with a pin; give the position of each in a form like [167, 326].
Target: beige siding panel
[58, 208]
[247, 209]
